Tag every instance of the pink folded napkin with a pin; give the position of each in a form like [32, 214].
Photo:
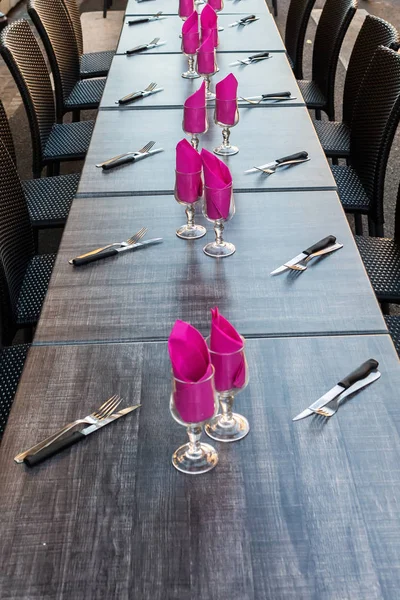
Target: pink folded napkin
[188, 182]
[229, 362]
[216, 4]
[195, 111]
[206, 59]
[191, 365]
[218, 186]
[186, 7]
[190, 34]
[226, 100]
[209, 24]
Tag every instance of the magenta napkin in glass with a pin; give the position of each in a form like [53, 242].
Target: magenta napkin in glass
[215, 4]
[229, 363]
[191, 363]
[209, 24]
[206, 62]
[226, 100]
[188, 182]
[190, 34]
[195, 111]
[186, 7]
[218, 186]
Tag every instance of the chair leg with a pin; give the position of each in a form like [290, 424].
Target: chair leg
[318, 114]
[27, 334]
[105, 6]
[76, 116]
[275, 7]
[50, 170]
[56, 168]
[335, 160]
[385, 307]
[371, 227]
[379, 231]
[358, 224]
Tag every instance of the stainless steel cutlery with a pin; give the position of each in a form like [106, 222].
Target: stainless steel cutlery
[129, 157]
[113, 251]
[303, 264]
[328, 404]
[251, 59]
[328, 244]
[156, 17]
[148, 91]
[153, 44]
[285, 161]
[132, 240]
[244, 21]
[277, 97]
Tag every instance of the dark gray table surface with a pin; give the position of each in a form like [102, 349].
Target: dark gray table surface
[294, 511]
[266, 77]
[260, 35]
[261, 134]
[139, 295]
[170, 7]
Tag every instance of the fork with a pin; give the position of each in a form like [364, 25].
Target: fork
[268, 97]
[143, 150]
[303, 264]
[143, 46]
[132, 240]
[104, 411]
[272, 170]
[137, 94]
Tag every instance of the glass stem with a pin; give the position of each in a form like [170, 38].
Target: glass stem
[190, 215]
[191, 63]
[195, 141]
[207, 80]
[218, 229]
[226, 403]
[194, 433]
[226, 132]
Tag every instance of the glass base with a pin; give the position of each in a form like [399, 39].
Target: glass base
[230, 431]
[190, 75]
[226, 150]
[206, 460]
[191, 233]
[210, 96]
[219, 250]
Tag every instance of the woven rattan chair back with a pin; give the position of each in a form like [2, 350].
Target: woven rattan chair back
[75, 18]
[296, 26]
[375, 119]
[335, 19]
[374, 32]
[55, 29]
[397, 219]
[16, 241]
[21, 53]
[5, 134]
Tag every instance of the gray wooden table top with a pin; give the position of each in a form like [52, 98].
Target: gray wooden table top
[258, 36]
[169, 7]
[265, 77]
[261, 134]
[139, 295]
[294, 511]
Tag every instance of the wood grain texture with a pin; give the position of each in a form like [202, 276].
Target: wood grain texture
[294, 511]
[261, 135]
[170, 8]
[139, 295]
[260, 35]
[126, 76]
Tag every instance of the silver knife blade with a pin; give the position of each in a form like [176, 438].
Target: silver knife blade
[351, 390]
[294, 261]
[273, 98]
[266, 166]
[110, 419]
[243, 23]
[150, 46]
[152, 92]
[140, 244]
[149, 153]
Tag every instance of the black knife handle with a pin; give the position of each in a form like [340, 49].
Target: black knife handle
[259, 55]
[248, 18]
[123, 160]
[77, 262]
[137, 21]
[54, 448]
[298, 156]
[363, 370]
[137, 49]
[321, 245]
[130, 97]
[277, 95]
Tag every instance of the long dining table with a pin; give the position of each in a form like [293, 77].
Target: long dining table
[294, 511]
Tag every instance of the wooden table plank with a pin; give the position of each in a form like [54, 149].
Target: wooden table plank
[139, 295]
[170, 8]
[126, 75]
[259, 36]
[262, 136]
[292, 512]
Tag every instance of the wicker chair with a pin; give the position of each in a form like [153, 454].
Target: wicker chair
[296, 26]
[54, 26]
[393, 324]
[93, 64]
[319, 93]
[375, 119]
[24, 276]
[335, 136]
[12, 360]
[48, 199]
[51, 143]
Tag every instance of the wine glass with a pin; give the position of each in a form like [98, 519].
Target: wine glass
[190, 44]
[217, 5]
[231, 377]
[195, 123]
[188, 191]
[206, 66]
[226, 115]
[192, 405]
[218, 207]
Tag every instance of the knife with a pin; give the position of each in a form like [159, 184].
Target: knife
[321, 245]
[137, 95]
[156, 17]
[251, 59]
[88, 258]
[298, 156]
[142, 47]
[72, 438]
[126, 158]
[245, 21]
[276, 96]
[353, 382]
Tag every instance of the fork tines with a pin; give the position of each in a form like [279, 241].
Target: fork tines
[107, 408]
[138, 236]
[146, 148]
